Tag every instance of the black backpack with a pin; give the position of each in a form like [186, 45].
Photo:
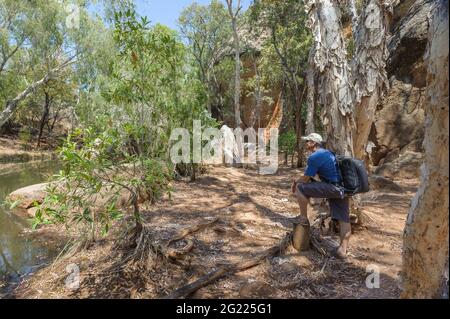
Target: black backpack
[354, 175]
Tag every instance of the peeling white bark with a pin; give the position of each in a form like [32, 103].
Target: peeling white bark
[369, 65]
[311, 103]
[329, 60]
[426, 236]
[355, 18]
[237, 53]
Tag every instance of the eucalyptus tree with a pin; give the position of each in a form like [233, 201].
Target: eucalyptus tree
[33, 48]
[369, 66]
[288, 47]
[350, 89]
[425, 240]
[55, 44]
[208, 40]
[234, 11]
[333, 74]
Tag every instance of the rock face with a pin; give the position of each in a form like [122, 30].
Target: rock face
[398, 131]
[399, 122]
[248, 100]
[409, 40]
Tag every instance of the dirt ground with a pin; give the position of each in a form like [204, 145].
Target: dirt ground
[255, 212]
[13, 151]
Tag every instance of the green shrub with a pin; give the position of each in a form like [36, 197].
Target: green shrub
[125, 147]
[287, 142]
[98, 172]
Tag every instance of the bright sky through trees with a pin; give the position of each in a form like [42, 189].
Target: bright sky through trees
[166, 11]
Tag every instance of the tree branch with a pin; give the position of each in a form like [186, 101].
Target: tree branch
[230, 269]
[12, 105]
[6, 57]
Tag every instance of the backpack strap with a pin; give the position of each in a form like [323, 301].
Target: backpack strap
[337, 165]
[338, 169]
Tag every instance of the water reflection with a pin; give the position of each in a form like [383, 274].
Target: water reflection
[19, 255]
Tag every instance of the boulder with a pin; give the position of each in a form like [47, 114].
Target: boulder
[27, 196]
[30, 212]
[407, 165]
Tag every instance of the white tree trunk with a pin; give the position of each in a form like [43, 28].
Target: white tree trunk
[237, 81]
[311, 102]
[12, 105]
[369, 69]
[256, 112]
[329, 59]
[426, 236]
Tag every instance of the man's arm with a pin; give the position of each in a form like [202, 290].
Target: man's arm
[311, 171]
[304, 179]
[301, 180]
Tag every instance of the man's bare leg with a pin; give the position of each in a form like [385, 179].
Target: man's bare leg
[345, 234]
[302, 203]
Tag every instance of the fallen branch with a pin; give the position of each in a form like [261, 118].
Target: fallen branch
[230, 270]
[191, 229]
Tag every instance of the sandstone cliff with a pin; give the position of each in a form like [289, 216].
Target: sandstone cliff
[398, 131]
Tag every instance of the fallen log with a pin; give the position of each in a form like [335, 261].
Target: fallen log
[230, 269]
[190, 230]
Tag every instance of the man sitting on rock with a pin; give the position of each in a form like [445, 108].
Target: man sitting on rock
[323, 163]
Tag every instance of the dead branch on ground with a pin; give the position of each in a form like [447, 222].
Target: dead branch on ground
[230, 269]
[190, 230]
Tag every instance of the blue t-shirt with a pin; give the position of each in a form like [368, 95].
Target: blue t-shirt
[323, 163]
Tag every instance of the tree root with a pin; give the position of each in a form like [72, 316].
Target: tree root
[149, 251]
[322, 245]
[173, 253]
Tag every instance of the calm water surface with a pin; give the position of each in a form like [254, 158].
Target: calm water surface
[18, 254]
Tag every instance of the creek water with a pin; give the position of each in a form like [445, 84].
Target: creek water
[20, 255]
